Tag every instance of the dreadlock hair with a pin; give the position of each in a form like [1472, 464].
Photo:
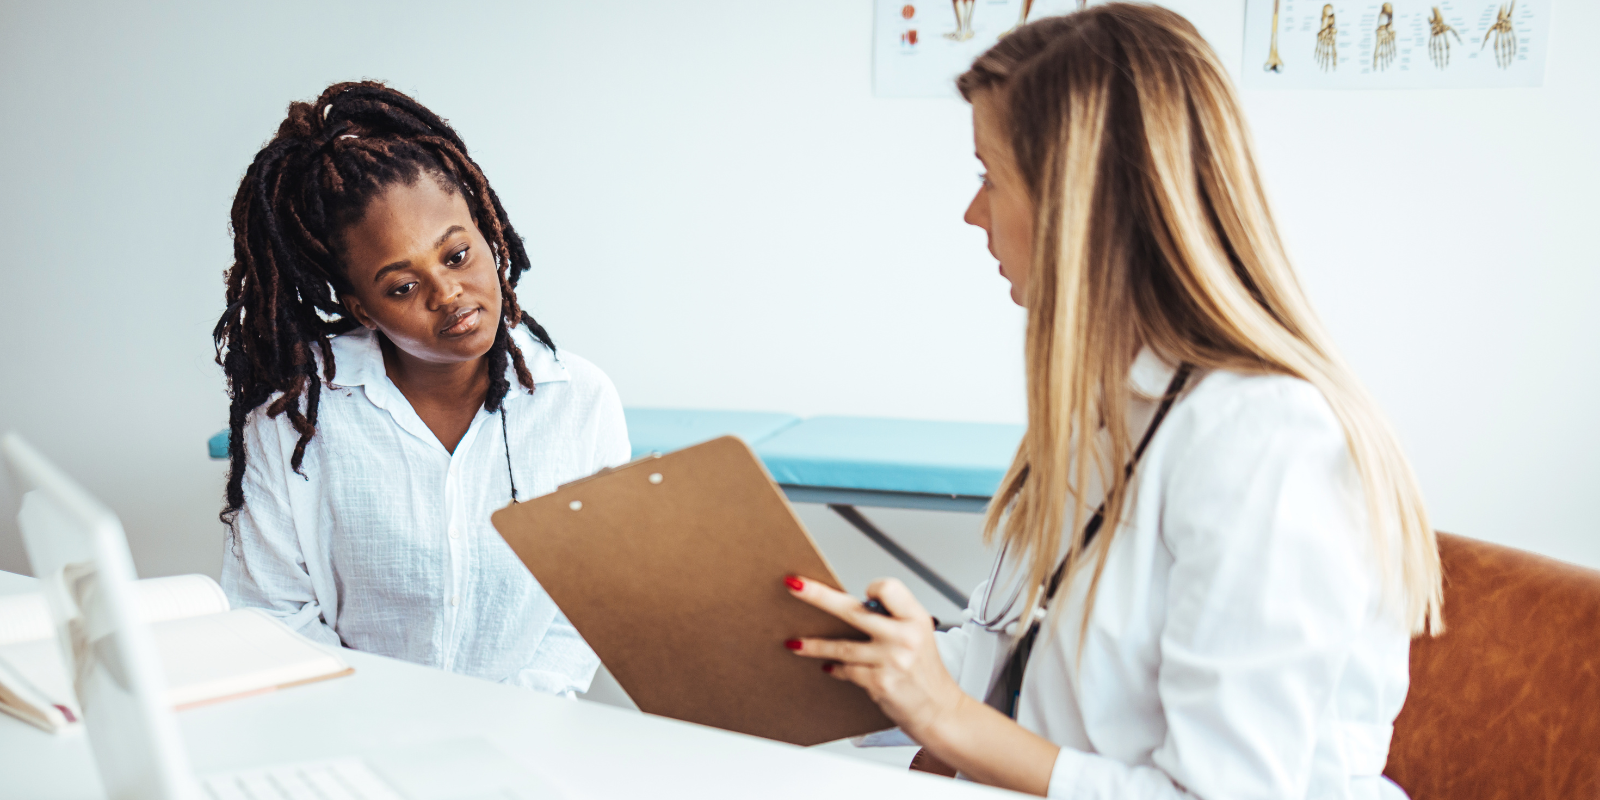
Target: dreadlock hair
[315, 177]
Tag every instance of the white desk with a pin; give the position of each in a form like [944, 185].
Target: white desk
[591, 750]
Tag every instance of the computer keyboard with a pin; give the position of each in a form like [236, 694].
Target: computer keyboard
[335, 779]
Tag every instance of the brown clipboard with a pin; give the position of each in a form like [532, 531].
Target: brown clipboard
[672, 569]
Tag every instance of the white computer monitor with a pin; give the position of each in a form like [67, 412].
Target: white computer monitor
[79, 553]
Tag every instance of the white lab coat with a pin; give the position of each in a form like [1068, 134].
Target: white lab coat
[1238, 648]
[385, 545]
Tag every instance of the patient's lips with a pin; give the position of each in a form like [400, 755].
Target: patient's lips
[463, 321]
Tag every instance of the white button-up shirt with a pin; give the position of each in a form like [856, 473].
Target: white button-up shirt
[1236, 648]
[385, 544]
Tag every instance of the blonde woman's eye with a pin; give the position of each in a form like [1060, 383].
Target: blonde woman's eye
[457, 259]
[983, 178]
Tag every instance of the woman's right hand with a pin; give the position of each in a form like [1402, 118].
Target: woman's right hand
[899, 668]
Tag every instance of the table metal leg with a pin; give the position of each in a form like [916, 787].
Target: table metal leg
[904, 556]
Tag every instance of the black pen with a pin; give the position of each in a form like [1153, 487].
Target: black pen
[876, 606]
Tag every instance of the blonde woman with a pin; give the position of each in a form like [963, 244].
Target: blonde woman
[1236, 623]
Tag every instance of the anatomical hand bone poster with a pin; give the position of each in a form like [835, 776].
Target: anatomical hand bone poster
[920, 46]
[1401, 44]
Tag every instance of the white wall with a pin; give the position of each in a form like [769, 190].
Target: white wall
[722, 215]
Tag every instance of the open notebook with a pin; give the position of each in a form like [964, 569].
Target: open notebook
[208, 652]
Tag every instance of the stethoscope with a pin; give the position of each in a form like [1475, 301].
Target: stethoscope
[1003, 622]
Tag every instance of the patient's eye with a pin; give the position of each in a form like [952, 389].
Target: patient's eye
[456, 259]
[403, 289]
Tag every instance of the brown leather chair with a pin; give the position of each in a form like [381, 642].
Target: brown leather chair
[1506, 704]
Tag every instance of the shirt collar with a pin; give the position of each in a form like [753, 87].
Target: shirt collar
[358, 361]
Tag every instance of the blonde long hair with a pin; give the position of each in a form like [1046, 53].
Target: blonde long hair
[1151, 229]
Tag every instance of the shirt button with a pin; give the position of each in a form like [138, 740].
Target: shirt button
[455, 599]
[455, 534]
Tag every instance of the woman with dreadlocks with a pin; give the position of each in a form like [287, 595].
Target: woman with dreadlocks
[388, 394]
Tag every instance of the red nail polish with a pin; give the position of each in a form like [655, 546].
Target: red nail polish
[794, 583]
[792, 644]
[828, 668]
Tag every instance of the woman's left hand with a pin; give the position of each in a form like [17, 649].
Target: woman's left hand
[900, 667]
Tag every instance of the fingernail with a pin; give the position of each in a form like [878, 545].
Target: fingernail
[792, 644]
[828, 668]
[794, 583]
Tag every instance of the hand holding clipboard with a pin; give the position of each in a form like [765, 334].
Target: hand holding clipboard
[644, 559]
[899, 668]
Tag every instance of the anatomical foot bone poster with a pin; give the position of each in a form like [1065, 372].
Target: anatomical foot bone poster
[920, 46]
[1402, 44]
